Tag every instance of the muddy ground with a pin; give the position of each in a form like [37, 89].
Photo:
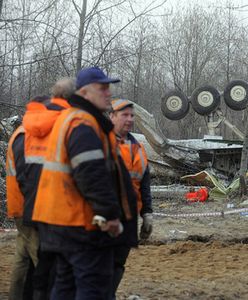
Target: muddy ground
[188, 257]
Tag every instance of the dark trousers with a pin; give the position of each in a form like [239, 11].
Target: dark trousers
[28, 286]
[44, 275]
[120, 257]
[84, 275]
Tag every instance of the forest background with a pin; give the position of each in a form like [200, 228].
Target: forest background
[152, 47]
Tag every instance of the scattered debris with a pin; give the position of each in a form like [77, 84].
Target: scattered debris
[176, 234]
[134, 297]
[7, 126]
[200, 195]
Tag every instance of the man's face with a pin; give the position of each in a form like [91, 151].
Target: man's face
[98, 94]
[123, 121]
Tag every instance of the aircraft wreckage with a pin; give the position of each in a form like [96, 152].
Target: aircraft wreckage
[180, 157]
[175, 158]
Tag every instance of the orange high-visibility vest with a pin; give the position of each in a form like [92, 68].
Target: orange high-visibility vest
[15, 198]
[34, 150]
[58, 200]
[135, 160]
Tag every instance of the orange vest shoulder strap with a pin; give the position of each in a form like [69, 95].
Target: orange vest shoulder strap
[62, 128]
[61, 102]
[19, 130]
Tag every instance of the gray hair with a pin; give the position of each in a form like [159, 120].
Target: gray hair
[63, 88]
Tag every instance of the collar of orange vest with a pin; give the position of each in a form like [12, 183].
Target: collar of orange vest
[80, 102]
[129, 137]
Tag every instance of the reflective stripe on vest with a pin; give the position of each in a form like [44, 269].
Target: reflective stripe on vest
[34, 160]
[57, 166]
[142, 159]
[86, 156]
[135, 175]
[10, 171]
[62, 129]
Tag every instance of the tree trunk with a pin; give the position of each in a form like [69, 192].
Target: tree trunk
[81, 35]
[1, 7]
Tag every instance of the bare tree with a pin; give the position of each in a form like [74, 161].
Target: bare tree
[1, 7]
[82, 19]
[185, 48]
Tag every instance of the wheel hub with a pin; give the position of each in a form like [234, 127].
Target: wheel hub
[174, 103]
[205, 98]
[238, 93]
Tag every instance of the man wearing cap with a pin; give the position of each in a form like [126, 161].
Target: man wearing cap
[85, 200]
[134, 156]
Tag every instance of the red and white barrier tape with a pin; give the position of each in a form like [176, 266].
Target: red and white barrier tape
[8, 230]
[204, 214]
[185, 215]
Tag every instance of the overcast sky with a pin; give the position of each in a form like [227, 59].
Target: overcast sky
[240, 6]
[205, 3]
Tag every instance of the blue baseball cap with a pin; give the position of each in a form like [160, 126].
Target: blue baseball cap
[93, 75]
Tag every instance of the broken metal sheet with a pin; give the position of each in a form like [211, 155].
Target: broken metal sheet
[218, 188]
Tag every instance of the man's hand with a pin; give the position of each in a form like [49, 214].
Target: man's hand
[146, 227]
[113, 227]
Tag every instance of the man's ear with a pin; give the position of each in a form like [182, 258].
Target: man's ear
[111, 115]
[83, 91]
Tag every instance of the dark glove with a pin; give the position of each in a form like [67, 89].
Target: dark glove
[146, 227]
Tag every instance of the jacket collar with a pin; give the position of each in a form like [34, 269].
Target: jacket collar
[80, 102]
[132, 138]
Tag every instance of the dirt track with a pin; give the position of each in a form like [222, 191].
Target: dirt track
[186, 258]
[187, 270]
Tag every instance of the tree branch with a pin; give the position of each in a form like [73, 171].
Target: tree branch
[146, 10]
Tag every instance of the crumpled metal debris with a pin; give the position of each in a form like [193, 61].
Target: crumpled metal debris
[218, 189]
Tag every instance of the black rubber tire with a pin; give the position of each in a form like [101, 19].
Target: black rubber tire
[205, 99]
[236, 94]
[174, 105]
